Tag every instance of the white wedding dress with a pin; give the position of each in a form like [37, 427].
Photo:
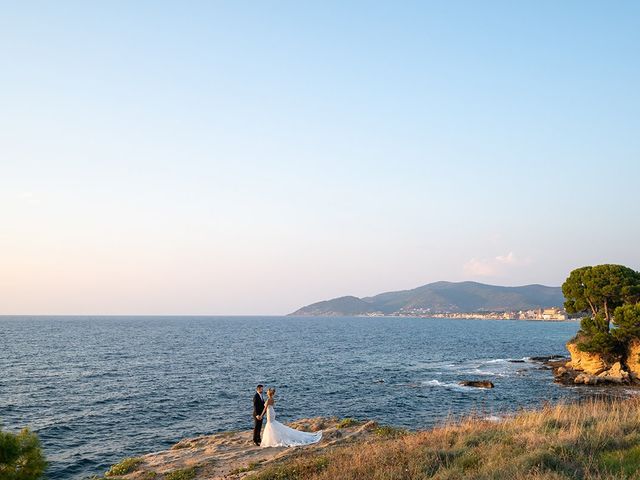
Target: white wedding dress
[277, 434]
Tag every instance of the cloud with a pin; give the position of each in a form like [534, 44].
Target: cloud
[28, 198]
[495, 266]
[479, 268]
[508, 259]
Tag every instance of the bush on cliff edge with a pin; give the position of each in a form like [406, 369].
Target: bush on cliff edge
[21, 457]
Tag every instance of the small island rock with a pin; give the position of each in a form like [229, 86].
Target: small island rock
[477, 383]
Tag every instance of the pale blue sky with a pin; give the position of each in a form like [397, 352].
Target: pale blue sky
[252, 157]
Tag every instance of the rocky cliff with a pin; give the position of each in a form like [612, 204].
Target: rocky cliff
[589, 363]
[632, 359]
[594, 368]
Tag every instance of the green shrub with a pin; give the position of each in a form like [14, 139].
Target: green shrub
[389, 432]
[127, 465]
[625, 461]
[295, 470]
[593, 339]
[21, 456]
[347, 422]
[181, 474]
[469, 460]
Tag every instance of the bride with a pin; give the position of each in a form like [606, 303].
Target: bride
[277, 434]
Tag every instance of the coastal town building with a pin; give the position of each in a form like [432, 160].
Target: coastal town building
[543, 314]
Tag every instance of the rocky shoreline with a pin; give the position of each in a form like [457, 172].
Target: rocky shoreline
[585, 368]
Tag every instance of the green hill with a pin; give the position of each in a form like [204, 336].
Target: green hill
[441, 297]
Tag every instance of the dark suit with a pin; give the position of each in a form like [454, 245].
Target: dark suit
[258, 407]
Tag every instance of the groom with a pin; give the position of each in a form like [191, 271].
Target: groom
[258, 407]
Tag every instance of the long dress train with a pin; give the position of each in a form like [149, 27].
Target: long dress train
[277, 434]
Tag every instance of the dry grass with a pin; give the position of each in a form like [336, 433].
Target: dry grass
[594, 440]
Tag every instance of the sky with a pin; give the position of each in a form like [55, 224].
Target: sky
[253, 157]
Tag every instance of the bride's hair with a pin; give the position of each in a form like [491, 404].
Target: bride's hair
[271, 391]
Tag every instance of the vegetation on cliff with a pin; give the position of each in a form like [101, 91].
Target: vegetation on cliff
[21, 457]
[595, 440]
[609, 295]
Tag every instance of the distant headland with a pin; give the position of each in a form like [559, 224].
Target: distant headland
[447, 299]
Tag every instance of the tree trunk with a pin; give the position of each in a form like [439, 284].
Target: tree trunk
[593, 309]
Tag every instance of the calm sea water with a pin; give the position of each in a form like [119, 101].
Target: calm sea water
[97, 389]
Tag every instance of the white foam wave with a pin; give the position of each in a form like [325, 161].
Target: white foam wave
[508, 360]
[436, 383]
[479, 371]
[450, 386]
[488, 367]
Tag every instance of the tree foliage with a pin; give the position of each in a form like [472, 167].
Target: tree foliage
[599, 291]
[593, 338]
[627, 322]
[21, 457]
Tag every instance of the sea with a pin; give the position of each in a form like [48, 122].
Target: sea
[99, 389]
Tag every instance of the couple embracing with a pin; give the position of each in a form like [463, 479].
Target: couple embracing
[276, 434]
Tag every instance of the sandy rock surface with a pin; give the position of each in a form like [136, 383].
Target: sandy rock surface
[589, 363]
[232, 455]
[632, 359]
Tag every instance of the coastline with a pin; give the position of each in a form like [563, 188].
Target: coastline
[439, 317]
[594, 439]
[147, 409]
[232, 455]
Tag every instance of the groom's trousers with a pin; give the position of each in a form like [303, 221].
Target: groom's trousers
[257, 428]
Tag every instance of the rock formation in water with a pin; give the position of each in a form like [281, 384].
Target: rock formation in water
[477, 383]
[597, 369]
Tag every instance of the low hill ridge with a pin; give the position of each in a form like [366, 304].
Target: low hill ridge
[441, 297]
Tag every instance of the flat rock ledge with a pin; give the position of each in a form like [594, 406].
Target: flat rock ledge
[232, 455]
